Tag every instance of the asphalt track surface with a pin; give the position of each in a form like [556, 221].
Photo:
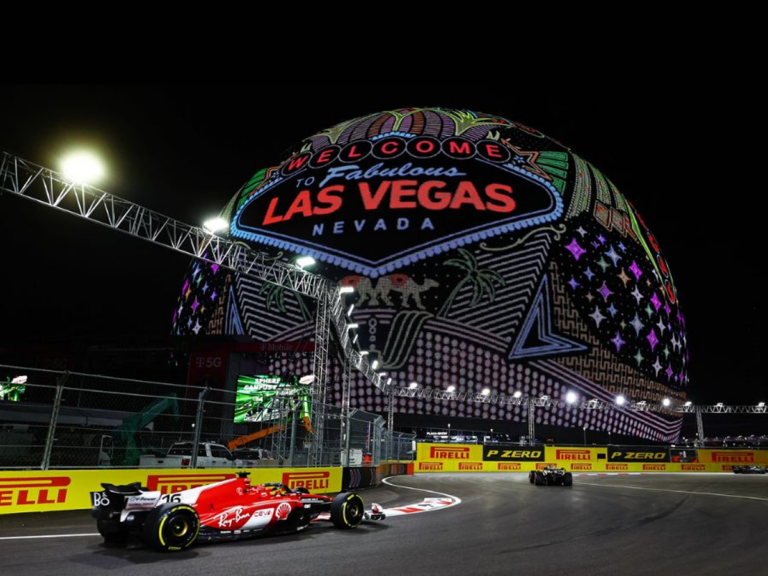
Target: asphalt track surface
[637, 524]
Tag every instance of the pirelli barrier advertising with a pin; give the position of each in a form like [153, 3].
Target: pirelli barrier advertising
[25, 491]
[506, 458]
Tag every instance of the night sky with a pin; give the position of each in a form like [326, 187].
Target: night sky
[681, 154]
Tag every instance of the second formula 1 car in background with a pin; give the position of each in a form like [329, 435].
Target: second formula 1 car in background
[550, 476]
[749, 470]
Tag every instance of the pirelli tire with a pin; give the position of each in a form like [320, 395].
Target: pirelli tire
[539, 479]
[568, 479]
[172, 527]
[347, 510]
[531, 476]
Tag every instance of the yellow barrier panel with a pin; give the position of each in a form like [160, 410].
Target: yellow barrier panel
[496, 458]
[733, 457]
[25, 491]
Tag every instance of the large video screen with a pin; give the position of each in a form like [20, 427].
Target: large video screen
[269, 397]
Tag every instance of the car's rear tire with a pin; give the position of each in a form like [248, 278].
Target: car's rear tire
[531, 476]
[112, 531]
[567, 479]
[172, 527]
[539, 480]
[347, 510]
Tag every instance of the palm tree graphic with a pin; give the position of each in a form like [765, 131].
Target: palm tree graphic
[482, 281]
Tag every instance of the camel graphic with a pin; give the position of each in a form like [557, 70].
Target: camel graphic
[408, 289]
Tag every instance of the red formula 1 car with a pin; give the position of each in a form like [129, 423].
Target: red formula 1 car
[227, 510]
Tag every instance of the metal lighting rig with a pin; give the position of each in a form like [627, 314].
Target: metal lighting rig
[28, 180]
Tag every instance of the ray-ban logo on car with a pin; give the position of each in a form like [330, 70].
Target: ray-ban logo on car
[27, 491]
[427, 195]
[167, 483]
[312, 481]
[449, 453]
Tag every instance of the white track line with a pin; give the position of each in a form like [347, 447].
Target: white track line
[456, 500]
[47, 536]
[674, 491]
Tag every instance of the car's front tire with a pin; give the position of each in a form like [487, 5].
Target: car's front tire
[172, 527]
[347, 510]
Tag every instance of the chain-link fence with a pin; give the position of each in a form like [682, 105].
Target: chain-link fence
[73, 420]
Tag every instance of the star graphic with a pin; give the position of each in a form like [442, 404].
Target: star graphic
[623, 325]
[635, 269]
[637, 295]
[667, 309]
[195, 305]
[601, 238]
[656, 302]
[652, 340]
[612, 310]
[181, 307]
[186, 285]
[614, 256]
[205, 288]
[527, 159]
[618, 342]
[624, 278]
[661, 326]
[197, 327]
[589, 274]
[215, 268]
[657, 366]
[590, 297]
[666, 352]
[573, 283]
[622, 247]
[605, 291]
[603, 264]
[189, 322]
[639, 358]
[670, 372]
[597, 316]
[637, 324]
[649, 311]
[189, 291]
[575, 249]
[213, 295]
[581, 231]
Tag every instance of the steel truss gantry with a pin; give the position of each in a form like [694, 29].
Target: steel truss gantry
[25, 179]
[532, 403]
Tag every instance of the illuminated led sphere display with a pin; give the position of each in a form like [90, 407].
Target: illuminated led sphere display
[483, 255]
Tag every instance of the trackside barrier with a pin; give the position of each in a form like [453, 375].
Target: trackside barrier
[500, 458]
[370, 476]
[25, 491]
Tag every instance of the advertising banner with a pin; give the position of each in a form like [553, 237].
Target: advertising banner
[613, 459]
[635, 454]
[25, 491]
[733, 457]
